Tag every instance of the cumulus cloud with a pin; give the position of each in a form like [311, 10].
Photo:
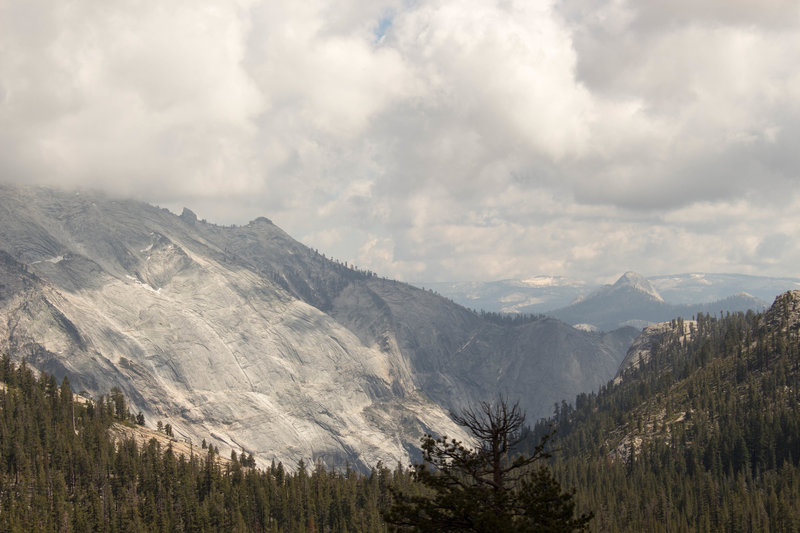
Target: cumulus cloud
[429, 140]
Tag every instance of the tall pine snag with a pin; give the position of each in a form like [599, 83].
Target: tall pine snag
[485, 488]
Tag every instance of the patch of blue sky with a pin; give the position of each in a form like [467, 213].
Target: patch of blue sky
[383, 26]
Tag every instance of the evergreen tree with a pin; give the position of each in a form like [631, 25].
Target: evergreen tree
[488, 488]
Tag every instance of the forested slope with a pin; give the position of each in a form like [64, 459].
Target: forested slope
[61, 471]
[702, 435]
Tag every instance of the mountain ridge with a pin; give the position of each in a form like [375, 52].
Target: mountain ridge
[248, 336]
[699, 433]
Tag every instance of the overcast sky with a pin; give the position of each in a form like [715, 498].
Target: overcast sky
[429, 140]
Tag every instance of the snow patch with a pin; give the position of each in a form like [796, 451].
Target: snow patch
[548, 281]
[543, 281]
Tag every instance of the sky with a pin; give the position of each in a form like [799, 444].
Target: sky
[429, 140]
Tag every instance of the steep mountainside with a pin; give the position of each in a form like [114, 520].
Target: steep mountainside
[700, 432]
[634, 301]
[246, 335]
[73, 465]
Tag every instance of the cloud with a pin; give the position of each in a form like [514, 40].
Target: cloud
[433, 139]
[716, 105]
[129, 99]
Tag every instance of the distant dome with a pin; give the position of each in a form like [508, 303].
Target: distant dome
[638, 282]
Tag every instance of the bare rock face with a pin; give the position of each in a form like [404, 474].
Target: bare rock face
[245, 337]
[651, 338]
[784, 312]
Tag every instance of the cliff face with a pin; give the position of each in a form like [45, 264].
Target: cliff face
[784, 314]
[651, 338]
[243, 336]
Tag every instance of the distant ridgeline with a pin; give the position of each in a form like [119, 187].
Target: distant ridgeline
[61, 471]
[702, 434]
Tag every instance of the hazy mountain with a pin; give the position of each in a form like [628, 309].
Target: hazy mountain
[246, 337]
[532, 296]
[542, 294]
[634, 301]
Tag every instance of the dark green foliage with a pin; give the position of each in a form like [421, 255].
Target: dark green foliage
[704, 436]
[120, 405]
[507, 319]
[489, 488]
[60, 471]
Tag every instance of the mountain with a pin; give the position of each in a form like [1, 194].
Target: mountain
[634, 301]
[244, 336]
[542, 294]
[701, 432]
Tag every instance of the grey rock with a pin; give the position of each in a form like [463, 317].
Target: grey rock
[247, 338]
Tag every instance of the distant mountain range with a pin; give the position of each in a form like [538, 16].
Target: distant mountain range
[529, 296]
[633, 300]
[246, 338]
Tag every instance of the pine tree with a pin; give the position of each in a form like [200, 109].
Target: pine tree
[487, 488]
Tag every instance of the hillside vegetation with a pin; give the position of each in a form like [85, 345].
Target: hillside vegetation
[60, 470]
[701, 435]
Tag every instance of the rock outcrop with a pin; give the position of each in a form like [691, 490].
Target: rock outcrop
[784, 314]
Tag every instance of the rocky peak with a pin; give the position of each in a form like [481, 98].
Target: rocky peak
[785, 312]
[651, 337]
[638, 282]
[188, 216]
